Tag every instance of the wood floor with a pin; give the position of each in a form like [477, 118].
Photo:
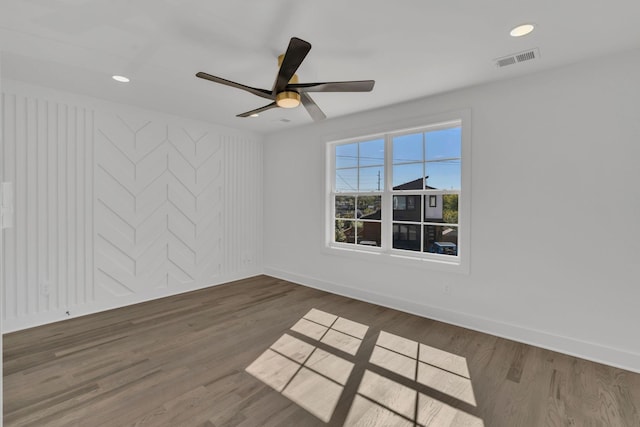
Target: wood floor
[182, 361]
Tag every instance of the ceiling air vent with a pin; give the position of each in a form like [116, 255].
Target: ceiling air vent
[515, 58]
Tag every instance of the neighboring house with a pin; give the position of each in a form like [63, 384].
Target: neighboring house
[371, 231]
[407, 208]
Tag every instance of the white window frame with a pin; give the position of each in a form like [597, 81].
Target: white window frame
[385, 253]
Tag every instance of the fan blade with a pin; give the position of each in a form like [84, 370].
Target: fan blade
[260, 92]
[258, 110]
[314, 111]
[293, 57]
[352, 86]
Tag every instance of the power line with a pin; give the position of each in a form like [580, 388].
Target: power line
[345, 181]
[397, 160]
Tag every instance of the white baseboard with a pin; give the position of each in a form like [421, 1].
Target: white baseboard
[43, 318]
[550, 341]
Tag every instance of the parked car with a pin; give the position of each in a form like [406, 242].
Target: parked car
[446, 248]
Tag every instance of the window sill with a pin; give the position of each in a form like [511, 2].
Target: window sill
[394, 258]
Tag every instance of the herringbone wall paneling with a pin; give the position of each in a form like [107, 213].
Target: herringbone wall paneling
[159, 194]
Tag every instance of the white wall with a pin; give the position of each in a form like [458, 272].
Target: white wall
[546, 267]
[116, 205]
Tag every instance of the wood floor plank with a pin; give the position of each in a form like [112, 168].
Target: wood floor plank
[180, 361]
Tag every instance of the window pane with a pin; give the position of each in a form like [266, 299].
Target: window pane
[369, 207]
[406, 236]
[372, 178]
[345, 207]
[443, 175]
[369, 233]
[346, 156]
[407, 148]
[408, 176]
[345, 231]
[346, 180]
[441, 239]
[450, 208]
[443, 144]
[406, 208]
[372, 153]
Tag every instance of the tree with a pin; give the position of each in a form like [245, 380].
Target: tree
[450, 208]
[340, 235]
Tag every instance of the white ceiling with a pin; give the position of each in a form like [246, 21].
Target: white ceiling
[412, 48]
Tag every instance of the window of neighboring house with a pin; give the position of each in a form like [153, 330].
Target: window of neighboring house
[402, 192]
[399, 203]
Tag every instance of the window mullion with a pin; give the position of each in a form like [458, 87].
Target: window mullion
[331, 182]
[423, 196]
[387, 197]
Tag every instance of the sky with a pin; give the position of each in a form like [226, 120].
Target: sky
[435, 154]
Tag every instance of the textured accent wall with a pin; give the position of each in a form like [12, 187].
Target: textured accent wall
[159, 197]
[117, 208]
[47, 154]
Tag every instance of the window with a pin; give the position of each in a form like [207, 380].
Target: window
[426, 166]
[359, 177]
[401, 193]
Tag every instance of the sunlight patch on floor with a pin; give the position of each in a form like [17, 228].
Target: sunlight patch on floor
[365, 413]
[311, 377]
[399, 384]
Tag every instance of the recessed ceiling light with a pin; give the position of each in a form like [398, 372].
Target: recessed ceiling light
[254, 115]
[121, 79]
[521, 30]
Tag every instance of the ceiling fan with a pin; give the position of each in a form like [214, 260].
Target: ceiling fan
[286, 91]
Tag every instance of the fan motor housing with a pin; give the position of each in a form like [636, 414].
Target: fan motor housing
[288, 99]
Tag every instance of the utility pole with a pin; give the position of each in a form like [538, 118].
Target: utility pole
[378, 180]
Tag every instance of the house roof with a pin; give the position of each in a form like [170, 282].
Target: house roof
[375, 215]
[416, 184]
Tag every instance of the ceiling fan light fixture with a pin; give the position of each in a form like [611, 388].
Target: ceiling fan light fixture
[288, 99]
[121, 79]
[521, 30]
[286, 91]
